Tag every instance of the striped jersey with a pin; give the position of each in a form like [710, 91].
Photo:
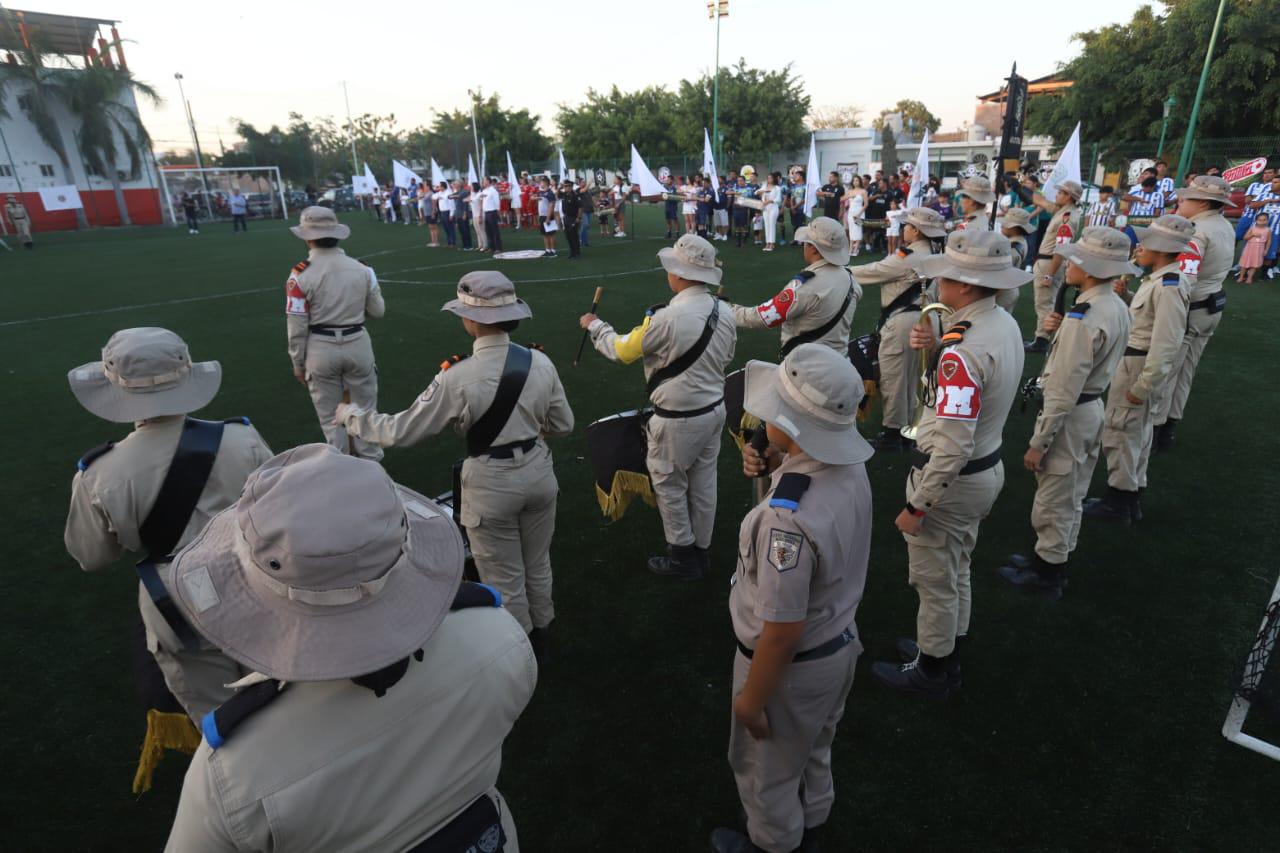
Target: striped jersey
[1103, 213]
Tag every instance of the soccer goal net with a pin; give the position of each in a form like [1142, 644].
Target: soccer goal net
[212, 189]
[1259, 687]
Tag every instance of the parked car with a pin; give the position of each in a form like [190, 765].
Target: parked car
[338, 198]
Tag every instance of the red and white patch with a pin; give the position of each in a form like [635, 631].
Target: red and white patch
[295, 301]
[776, 309]
[1189, 261]
[1064, 233]
[959, 396]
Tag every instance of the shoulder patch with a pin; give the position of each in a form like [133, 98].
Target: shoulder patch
[1078, 311]
[804, 275]
[791, 487]
[88, 458]
[904, 251]
[1189, 261]
[238, 420]
[452, 360]
[218, 724]
[959, 397]
[955, 334]
[784, 549]
[654, 309]
[301, 265]
[1171, 279]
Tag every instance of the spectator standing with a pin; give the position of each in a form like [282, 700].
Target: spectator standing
[461, 196]
[492, 203]
[1257, 240]
[239, 211]
[829, 196]
[571, 207]
[588, 207]
[189, 211]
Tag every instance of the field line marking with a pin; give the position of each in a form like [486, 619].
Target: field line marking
[532, 280]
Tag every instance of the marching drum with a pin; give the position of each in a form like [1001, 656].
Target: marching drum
[616, 450]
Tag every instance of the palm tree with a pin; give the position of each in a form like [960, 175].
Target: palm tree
[94, 95]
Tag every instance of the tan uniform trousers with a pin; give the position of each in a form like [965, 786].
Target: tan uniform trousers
[1063, 484]
[1045, 293]
[1008, 299]
[682, 465]
[938, 559]
[1200, 327]
[1126, 432]
[509, 511]
[784, 781]
[899, 375]
[335, 365]
[23, 227]
[196, 677]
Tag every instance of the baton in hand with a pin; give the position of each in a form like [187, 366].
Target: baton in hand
[595, 303]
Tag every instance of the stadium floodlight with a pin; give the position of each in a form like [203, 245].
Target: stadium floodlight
[1251, 691]
[262, 187]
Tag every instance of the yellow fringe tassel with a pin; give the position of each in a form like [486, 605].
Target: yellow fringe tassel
[870, 389]
[747, 423]
[626, 486]
[164, 731]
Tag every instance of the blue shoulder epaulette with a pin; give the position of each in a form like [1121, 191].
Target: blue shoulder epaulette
[89, 456]
[1078, 311]
[654, 309]
[791, 487]
[241, 419]
[1171, 279]
[805, 275]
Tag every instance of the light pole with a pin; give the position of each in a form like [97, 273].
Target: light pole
[1184, 160]
[717, 9]
[1169, 104]
[195, 140]
[351, 129]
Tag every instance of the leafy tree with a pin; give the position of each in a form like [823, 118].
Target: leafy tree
[450, 137]
[604, 126]
[835, 117]
[760, 111]
[915, 117]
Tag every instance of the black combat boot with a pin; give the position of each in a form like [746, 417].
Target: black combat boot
[731, 841]
[890, 441]
[1162, 441]
[540, 639]
[703, 558]
[680, 561]
[926, 676]
[1117, 505]
[1038, 345]
[909, 651]
[1036, 576]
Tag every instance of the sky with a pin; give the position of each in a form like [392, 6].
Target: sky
[260, 61]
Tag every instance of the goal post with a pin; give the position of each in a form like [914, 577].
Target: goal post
[1250, 691]
[211, 187]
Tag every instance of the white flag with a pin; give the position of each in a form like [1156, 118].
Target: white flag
[709, 161]
[1067, 168]
[564, 170]
[641, 176]
[472, 180]
[920, 177]
[811, 182]
[60, 198]
[437, 174]
[514, 180]
[402, 176]
[364, 184]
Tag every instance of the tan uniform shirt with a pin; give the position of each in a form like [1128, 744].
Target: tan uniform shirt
[808, 563]
[328, 289]
[1063, 228]
[1207, 264]
[16, 212]
[977, 380]
[330, 766]
[1088, 346]
[462, 393]
[667, 334]
[809, 301]
[893, 274]
[978, 219]
[1159, 312]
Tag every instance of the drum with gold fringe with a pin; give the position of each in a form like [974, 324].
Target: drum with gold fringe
[736, 420]
[864, 352]
[616, 450]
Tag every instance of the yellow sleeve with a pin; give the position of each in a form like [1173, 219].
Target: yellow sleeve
[629, 347]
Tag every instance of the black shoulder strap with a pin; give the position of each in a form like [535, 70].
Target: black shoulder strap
[685, 360]
[182, 487]
[515, 372]
[902, 300]
[791, 487]
[95, 453]
[818, 333]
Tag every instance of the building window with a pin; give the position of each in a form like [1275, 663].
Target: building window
[46, 171]
[6, 171]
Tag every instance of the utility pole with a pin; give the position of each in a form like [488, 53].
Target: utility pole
[717, 9]
[475, 133]
[351, 130]
[1184, 160]
[195, 140]
[1169, 104]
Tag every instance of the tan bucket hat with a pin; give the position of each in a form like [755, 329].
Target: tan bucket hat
[1072, 189]
[144, 373]
[974, 257]
[692, 258]
[1101, 252]
[813, 397]
[828, 237]
[1170, 233]
[316, 223]
[927, 220]
[488, 296]
[1206, 188]
[323, 569]
[1017, 217]
[978, 188]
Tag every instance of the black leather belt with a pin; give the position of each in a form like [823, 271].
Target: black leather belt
[334, 331]
[1086, 398]
[1134, 351]
[826, 650]
[1044, 257]
[668, 413]
[508, 450]
[1213, 303]
[919, 459]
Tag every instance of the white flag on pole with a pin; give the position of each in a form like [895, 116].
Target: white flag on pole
[437, 174]
[364, 184]
[472, 180]
[564, 170]
[709, 161]
[642, 177]
[514, 180]
[60, 198]
[402, 176]
[811, 182]
[920, 177]
[1067, 168]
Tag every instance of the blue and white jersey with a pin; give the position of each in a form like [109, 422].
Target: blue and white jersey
[1152, 203]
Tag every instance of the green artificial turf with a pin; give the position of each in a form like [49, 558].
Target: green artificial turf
[1084, 725]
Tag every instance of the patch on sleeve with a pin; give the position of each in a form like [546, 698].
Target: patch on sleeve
[1171, 279]
[295, 301]
[784, 549]
[431, 391]
[775, 311]
[1189, 261]
[959, 396]
[1064, 233]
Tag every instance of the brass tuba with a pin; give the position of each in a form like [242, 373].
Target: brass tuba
[925, 393]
